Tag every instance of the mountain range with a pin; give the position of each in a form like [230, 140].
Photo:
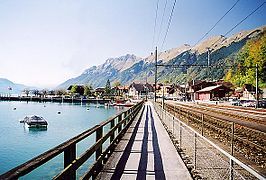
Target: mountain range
[130, 68]
[5, 84]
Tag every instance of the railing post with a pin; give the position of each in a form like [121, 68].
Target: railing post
[180, 134]
[232, 151]
[69, 157]
[164, 116]
[187, 117]
[98, 153]
[126, 120]
[120, 119]
[99, 134]
[195, 150]
[173, 125]
[202, 124]
[113, 134]
[175, 111]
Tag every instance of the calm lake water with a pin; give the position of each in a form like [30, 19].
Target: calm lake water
[19, 144]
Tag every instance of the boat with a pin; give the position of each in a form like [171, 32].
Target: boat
[35, 121]
[127, 103]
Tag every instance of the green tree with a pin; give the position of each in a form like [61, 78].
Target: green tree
[116, 84]
[74, 89]
[87, 90]
[108, 87]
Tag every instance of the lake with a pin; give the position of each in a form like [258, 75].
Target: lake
[19, 144]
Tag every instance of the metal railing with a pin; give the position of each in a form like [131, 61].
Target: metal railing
[109, 131]
[204, 158]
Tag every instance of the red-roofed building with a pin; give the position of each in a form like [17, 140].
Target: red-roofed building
[212, 92]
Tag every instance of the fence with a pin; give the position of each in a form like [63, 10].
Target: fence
[108, 132]
[203, 157]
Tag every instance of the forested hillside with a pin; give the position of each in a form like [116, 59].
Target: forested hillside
[254, 52]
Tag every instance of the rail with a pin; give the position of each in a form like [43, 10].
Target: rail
[116, 126]
[204, 158]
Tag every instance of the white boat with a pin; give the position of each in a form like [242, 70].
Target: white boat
[35, 121]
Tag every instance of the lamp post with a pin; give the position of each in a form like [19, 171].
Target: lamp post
[155, 76]
[257, 97]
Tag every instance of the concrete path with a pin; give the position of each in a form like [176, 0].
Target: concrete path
[145, 152]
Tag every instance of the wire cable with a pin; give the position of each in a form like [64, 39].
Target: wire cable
[169, 23]
[216, 23]
[240, 22]
[155, 23]
[161, 24]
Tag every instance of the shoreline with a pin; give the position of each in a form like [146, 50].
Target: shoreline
[55, 99]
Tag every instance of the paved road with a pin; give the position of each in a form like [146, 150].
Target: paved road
[145, 152]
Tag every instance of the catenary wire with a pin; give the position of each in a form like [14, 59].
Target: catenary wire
[155, 23]
[169, 23]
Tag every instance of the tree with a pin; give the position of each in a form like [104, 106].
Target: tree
[26, 91]
[108, 87]
[87, 90]
[60, 92]
[116, 84]
[36, 92]
[74, 89]
[252, 53]
[44, 92]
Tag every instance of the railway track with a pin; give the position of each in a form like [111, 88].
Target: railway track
[259, 114]
[248, 137]
[243, 114]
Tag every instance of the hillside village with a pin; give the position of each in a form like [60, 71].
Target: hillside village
[194, 91]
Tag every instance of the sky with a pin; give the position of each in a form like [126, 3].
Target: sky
[45, 42]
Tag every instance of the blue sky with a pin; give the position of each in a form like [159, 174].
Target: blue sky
[45, 42]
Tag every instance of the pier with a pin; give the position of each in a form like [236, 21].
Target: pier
[147, 141]
[53, 99]
[145, 152]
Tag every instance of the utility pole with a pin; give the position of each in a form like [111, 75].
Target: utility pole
[155, 80]
[193, 83]
[257, 97]
[163, 98]
[208, 61]
[208, 57]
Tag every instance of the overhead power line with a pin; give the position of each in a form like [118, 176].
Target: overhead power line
[216, 23]
[240, 22]
[161, 24]
[155, 23]
[169, 23]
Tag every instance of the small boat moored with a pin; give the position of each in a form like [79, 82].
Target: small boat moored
[35, 121]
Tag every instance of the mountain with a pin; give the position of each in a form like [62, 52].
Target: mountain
[98, 75]
[16, 88]
[129, 68]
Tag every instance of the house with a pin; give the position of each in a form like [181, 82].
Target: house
[139, 90]
[177, 92]
[99, 91]
[196, 85]
[79, 90]
[249, 92]
[212, 92]
[120, 90]
[163, 90]
[171, 91]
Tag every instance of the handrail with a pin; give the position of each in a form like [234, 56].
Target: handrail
[71, 162]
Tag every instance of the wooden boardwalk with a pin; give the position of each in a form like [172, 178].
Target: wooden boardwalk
[145, 152]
